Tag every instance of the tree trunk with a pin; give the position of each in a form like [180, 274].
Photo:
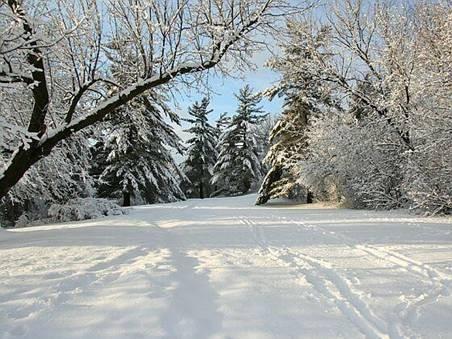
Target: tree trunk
[201, 190]
[19, 164]
[125, 199]
[309, 197]
[201, 187]
[273, 175]
[23, 158]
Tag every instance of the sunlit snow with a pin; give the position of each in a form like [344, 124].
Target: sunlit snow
[223, 268]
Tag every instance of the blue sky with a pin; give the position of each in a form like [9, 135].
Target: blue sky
[222, 97]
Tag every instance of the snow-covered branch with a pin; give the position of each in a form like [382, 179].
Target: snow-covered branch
[61, 66]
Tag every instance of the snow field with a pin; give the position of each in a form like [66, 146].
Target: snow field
[223, 268]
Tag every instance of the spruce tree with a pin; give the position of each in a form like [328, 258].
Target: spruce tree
[202, 153]
[138, 161]
[262, 131]
[222, 123]
[238, 168]
[288, 144]
[137, 141]
[304, 97]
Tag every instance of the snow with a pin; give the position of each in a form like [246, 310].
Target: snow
[84, 208]
[224, 268]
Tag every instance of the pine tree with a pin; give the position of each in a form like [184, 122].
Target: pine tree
[304, 97]
[238, 167]
[202, 153]
[137, 147]
[288, 144]
[222, 123]
[139, 162]
[262, 131]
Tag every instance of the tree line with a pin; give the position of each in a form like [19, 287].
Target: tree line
[367, 118]
[132, 160]
[366, 86]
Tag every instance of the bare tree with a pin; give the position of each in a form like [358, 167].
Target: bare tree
[370, 43]
[386, 141]
[54, 69]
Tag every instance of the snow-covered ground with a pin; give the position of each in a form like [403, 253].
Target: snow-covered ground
[223, 268]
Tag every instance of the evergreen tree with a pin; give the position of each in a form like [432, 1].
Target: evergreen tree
[138, 161]
[238, 167]
[202, 153]
[222, 123]
[137, 146]
[262, 131]
[304, 96]
[287, 150]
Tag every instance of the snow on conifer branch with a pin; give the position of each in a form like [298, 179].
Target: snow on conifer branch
[55, 58]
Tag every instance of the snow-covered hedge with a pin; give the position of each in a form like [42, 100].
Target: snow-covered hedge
[84, 208]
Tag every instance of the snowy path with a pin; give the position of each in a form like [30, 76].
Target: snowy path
[223, 268]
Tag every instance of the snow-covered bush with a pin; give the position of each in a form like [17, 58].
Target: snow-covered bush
[84, 208]
[362, 160]
[22, 221]
[56, 178]
[428, 179]
[386, 139]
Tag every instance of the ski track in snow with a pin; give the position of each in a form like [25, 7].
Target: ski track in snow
[410, 309]
[327, 282]
[407, 310]
[223, 268]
